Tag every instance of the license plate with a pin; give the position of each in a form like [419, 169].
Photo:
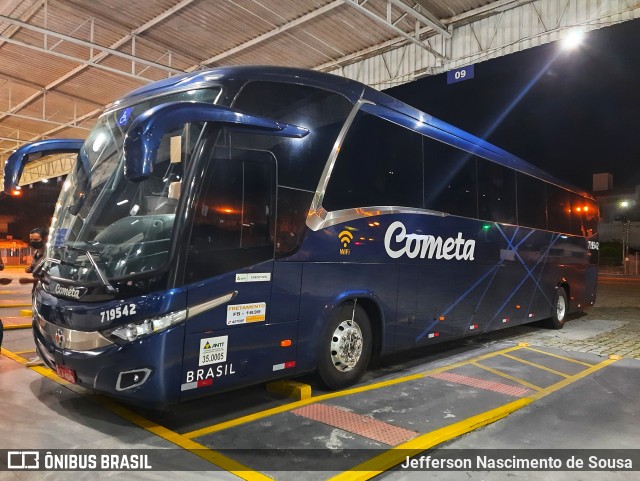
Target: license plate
[66, 374]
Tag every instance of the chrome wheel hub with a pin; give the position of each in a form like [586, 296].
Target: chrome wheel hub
[561, 308]
[346, 345]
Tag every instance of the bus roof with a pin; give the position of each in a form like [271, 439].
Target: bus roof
[406, 115]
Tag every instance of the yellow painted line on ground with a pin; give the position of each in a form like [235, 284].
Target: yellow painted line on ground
[17, 326]
[13, 356]
[398, 454]
[565, 382]
[559, 357]
[193, 447]
[323, 397]
[449, 367]
[537, 366]
[198, 449]
[507, 376]
[290, 406]
[8, 293]
[20, 353]
[11, 306]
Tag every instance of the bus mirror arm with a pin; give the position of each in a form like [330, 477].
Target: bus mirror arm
[17, 160]
[145, 134]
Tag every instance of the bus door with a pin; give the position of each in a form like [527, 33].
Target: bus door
[231, 338]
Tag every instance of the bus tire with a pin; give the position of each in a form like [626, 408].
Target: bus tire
[560, 308]
[346, 346]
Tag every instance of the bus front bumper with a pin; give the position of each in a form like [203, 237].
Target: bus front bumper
[144, 372]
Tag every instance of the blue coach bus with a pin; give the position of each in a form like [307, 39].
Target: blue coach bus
[237, 225]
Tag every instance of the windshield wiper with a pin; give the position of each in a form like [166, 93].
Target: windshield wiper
[40, 269]
[101, 276]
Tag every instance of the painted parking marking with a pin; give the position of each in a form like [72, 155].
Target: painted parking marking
[387, 460]
[11, 327]
[323, 397]
[397, 455]
[576, 377]
[193, 447]
[20, 353]
[537, 366]
[507, 376]
[359, 424]
[482, 384]
[363, 471]
[559, 357]
[288, 407]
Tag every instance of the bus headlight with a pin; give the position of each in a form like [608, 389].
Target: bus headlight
[131, 332]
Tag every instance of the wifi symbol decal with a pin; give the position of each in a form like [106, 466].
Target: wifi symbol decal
[345, 237]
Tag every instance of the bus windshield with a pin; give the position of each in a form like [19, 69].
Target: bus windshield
[108, 228]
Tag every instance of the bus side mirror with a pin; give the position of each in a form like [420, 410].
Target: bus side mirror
[17, 160]
[146, 132]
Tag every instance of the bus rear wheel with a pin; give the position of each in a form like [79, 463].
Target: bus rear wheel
[346, 347]
[560, 309]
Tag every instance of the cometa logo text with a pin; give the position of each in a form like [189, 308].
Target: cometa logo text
[398, 243]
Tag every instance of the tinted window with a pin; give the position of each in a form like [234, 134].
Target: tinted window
[293, 207]
[233, 215]
[300, 161]
[380, 163]
[450, 179]
[532, 202]
[584, 216]
[496, 192]
[559, 209]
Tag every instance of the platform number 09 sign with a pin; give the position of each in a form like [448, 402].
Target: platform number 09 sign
[460, 74]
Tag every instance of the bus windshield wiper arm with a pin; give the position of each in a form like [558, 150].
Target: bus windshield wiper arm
[103, 278]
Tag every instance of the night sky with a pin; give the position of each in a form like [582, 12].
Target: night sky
[581, 116]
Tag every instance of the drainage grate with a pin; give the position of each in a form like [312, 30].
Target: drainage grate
[356, 423]
[482, 384]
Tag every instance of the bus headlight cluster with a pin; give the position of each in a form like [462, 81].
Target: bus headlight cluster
[131, 332]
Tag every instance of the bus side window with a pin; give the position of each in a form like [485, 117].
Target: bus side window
[233, 221]
[293, 207]
[380, 163]
[532, 202]
[584, 216]
[496, 192]
[300, 161]
[450, 179]
[559, 209]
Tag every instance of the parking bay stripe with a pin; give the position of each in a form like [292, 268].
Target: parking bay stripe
[323, 397]
[365, 470]
[507, 376]
[387, 460]
[537, 366]
[559, 357]
[194, 447]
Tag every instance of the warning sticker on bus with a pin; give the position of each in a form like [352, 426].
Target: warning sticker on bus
[245, 313]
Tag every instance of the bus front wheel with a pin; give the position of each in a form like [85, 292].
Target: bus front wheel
[560, 309]
[346, 347]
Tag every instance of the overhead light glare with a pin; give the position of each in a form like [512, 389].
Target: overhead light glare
[573, 39]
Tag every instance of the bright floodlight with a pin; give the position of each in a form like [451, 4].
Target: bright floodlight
[573, 39]
[624, 204]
